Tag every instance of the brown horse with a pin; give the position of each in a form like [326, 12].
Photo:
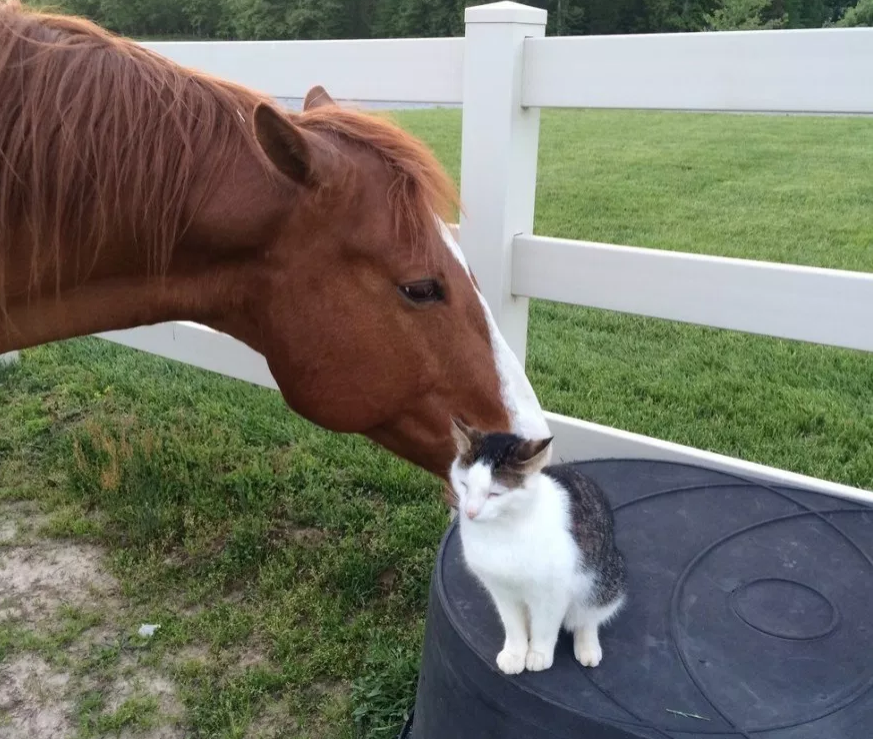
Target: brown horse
[134, 191]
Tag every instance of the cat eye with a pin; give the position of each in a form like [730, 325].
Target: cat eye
[423, 291]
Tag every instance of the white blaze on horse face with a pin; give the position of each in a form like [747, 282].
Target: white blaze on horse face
[528, 419]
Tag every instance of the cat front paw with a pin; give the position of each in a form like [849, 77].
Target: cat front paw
[589, 655]
[510, 663]
[538, 661]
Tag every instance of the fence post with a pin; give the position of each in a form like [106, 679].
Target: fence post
[498, 155]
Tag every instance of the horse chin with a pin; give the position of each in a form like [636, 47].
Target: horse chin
[434, 456]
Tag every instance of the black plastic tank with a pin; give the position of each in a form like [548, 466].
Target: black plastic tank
[750, 616]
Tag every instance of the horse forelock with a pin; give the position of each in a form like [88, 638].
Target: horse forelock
[101, 141]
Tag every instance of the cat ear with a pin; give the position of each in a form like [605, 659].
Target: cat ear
[533, 455]
[462, 434]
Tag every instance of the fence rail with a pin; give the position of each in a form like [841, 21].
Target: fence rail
[797, 71]
[199, 346]
[411, 70]
[503, 72]
[781, 300]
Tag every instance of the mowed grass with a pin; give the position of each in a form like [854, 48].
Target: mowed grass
[289, 567]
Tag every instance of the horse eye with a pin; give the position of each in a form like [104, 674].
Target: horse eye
[423, 291]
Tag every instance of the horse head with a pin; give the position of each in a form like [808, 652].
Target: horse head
[318, 238]
[371, 321]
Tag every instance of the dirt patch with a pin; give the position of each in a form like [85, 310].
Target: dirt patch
[143, 684]
[160, 732]
[273, 723]
[193, 653]
[308, 537]
[251, 657]
[8, 531]
[36, 575]
[38, 702]
[103, 636]
[33, 700]
[40, 696]
[305, 536]
[18, 521]
[37, 579]
[331, 690]
[387, 579]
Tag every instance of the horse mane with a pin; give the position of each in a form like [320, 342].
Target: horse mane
[101, 141]
[421, 188]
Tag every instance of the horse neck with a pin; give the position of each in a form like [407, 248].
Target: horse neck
[213, 272]
[121, 302]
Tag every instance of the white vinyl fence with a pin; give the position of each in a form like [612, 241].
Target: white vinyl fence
[502, 72]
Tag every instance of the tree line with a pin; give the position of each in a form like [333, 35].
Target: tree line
[337, 19]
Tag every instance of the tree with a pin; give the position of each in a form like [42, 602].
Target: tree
[316, 19]
[858, 15]
[257, 19]
[206, 17]
[319, 19]
[565, 17]
[742, 15]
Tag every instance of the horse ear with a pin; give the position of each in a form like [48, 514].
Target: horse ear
[317, 97]
[284, 144]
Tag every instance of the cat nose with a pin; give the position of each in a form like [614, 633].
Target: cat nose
[472, 512]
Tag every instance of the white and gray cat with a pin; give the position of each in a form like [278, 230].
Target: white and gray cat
[541, 540]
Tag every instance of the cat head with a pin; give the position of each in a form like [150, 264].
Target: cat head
[491, 472]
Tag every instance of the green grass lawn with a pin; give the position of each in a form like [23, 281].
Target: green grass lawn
[288, 568]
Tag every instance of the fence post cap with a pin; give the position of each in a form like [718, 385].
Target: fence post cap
[505, 12]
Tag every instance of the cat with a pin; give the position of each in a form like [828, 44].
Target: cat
[540, 539]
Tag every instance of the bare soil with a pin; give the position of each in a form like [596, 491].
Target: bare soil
[40, 689]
